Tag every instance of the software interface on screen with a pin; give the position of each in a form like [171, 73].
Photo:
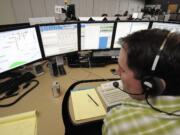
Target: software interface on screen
[18, 47]
[96, 35]
[169, 26]
[125, 28]
[59, 39]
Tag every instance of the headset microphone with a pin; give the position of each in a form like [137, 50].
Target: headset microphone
[116, 85]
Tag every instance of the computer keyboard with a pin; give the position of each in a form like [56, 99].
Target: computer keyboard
[26, 77]
[9, 87]
[12, 85]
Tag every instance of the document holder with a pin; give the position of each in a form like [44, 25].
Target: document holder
[86, 128]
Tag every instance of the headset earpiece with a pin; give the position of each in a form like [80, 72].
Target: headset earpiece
[152, 86]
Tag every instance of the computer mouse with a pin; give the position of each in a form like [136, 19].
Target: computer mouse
[113, 71]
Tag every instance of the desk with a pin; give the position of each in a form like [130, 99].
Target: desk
[49, 108]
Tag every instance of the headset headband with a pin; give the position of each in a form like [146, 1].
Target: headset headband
[156, 60]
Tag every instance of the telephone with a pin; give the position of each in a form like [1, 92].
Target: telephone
[111, 96]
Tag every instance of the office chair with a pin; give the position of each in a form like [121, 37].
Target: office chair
[161, 17]
[105, 15]
[88, 128]
[117, 17]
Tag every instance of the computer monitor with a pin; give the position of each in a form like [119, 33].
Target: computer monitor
[96, 35]
[173, 27]
[59, 38]
[18, 48]
[83, 18]
[125, 28]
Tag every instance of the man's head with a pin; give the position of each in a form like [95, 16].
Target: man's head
[137, 56]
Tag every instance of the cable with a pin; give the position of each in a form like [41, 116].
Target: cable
[116, 85]
[74, 79]
[24, 94]
[89, 72]
[101, 77]
[5, 97]
[158, 110]
[90, 67]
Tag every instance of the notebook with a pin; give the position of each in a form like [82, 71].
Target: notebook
[19, 124]
[87, 104]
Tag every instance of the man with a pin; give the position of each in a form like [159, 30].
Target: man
[155, 104]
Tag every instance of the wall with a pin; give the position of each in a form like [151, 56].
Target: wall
[18, 11]
[164, 3]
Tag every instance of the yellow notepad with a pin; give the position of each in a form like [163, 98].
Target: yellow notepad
[86, 104]
[20, 124]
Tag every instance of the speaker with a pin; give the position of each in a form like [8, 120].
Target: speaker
[53, 68]
[38, 69]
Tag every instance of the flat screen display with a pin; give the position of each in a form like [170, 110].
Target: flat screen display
[125, 28]
[59, 39]
[18, 47]
[95, 36]
[168, 26]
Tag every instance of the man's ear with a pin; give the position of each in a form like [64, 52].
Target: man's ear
[163, 84]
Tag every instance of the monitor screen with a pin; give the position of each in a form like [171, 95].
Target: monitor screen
[173, 27]
[59, 39]
[18, 47]
[95, 36]
[125, 28]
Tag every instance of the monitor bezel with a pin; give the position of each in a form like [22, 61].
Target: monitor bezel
[20, 28]
[139, 21]
[11, 26]
[94, 22]
[167, 22]
[59, 23]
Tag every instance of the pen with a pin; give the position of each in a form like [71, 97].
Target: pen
[92, 99]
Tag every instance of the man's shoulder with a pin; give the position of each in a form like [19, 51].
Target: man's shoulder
[134, 107]
[134, 116]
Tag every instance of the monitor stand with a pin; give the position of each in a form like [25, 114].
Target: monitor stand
[85, 58]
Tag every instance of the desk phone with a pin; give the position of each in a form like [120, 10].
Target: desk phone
[111, 96]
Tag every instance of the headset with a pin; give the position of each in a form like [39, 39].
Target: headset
[152, 85]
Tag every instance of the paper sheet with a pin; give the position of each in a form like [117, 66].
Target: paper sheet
[20, 124]
[84, 107]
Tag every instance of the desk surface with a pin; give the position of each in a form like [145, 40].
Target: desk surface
[49, 108]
